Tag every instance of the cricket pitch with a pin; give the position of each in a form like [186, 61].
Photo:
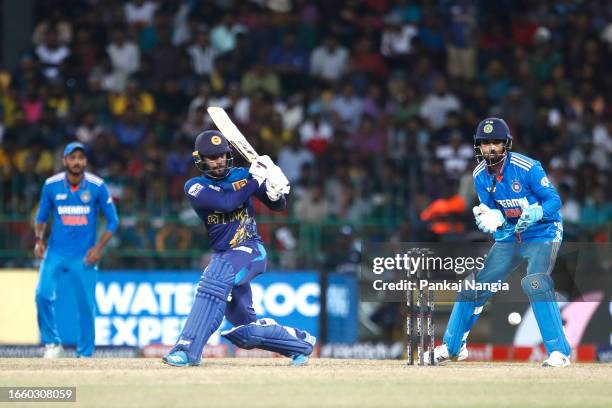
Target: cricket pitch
[250, 382]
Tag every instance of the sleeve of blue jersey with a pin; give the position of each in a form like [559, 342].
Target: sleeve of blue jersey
[108, 208]
[278, 205]
[203, 196]
[45, 205]
[481, 190]
[545, 192]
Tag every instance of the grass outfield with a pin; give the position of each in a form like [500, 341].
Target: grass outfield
[323, 383]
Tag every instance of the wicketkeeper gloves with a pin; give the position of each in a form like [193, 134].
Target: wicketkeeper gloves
[487, 219]
[530, 216]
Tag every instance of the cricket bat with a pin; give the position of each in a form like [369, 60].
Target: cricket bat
[233, 135]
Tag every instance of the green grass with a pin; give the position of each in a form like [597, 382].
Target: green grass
[323, 383]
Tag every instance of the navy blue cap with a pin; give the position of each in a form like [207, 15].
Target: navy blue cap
[71, 147]
[493, 129]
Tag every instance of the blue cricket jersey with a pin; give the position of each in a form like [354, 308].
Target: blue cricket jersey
[75, 212]
[522, 179]
[225, 207]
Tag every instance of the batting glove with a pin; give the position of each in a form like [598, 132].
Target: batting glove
[259, 169]
[277, 184]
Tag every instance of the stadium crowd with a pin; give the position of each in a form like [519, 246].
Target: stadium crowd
[368, 106]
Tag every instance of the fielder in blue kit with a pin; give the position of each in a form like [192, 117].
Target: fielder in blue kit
[222, 198]
[520, 208]
[74, 197]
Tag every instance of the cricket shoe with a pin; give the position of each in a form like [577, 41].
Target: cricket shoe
[302, 359]
[442, 357]
[178, 359]
[53, 351]
[556, 359]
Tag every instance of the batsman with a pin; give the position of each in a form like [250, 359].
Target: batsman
[520, 208]
[222, 198]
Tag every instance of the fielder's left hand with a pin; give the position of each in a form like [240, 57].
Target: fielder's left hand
[93, 255]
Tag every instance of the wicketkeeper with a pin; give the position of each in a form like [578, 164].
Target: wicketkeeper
[520, 208]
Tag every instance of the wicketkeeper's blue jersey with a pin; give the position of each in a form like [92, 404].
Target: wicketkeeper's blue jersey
[522, 179]
[75, 212]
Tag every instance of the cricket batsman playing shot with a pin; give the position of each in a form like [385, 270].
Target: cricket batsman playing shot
[520, 208]
[222, 198]
[74, 197]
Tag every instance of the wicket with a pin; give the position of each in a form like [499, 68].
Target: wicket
[423, 320]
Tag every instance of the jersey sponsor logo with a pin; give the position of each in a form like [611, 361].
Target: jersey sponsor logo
[86, 196]
[237, 185]
[516, 186]
[216, 188]
[74, 220]
[60, 196]
[241, 214]
[512, 212]
[195, 189]
[511, 202]
[73, 209]
[545, 182]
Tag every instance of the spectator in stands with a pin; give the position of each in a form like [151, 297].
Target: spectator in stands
[223, 35]
[260, 79]
[139, 13]
[328, 61]
[311, 206]
[397, 38]
[456, 155]
[134, 98]
[89, 129]
[348, 108]
[438, 104]
[316, 133]
[202, 54]
[130, 130]
[290, 62]
[124, 54]
[292, 157]
[461, 40]
[52, 55]
[165, 56]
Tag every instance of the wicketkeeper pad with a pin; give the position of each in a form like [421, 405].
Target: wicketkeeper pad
[539, 288]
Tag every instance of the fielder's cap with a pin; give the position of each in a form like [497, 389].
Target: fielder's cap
[71, 147]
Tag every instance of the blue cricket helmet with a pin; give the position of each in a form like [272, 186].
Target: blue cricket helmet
[492, 129]
[212, 143]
